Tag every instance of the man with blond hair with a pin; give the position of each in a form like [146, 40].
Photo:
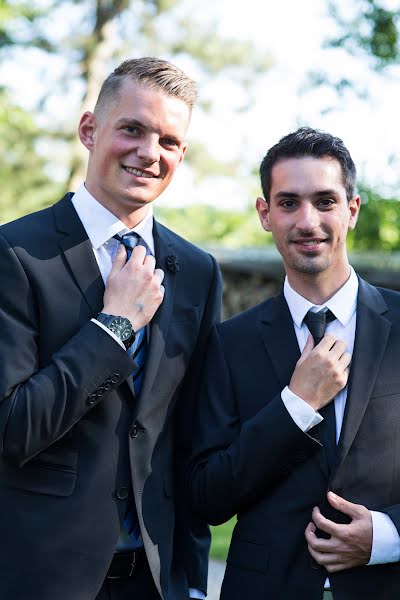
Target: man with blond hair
[104, 316]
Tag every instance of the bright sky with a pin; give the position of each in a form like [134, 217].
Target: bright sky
[291, 32]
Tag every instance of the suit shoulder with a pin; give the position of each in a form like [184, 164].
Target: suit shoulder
[33, 225]
[391, 297]
[246, 319]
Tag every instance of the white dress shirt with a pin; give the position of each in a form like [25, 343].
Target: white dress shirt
[386, 540]
[100, 225]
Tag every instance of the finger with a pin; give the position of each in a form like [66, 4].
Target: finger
[344, 506]
[337, 349]
[162, 290]
[138, 255]
[323, 523]
[307, 348]
[345, 360]
[160, 274]
[327, 342]
[119, 259]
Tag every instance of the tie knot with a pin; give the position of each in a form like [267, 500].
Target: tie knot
[317, 322]
[129, 240]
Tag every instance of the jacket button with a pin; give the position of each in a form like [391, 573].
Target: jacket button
[134, 430]
[92, 399]
[122, 493]
[115, 377]
[100, 391]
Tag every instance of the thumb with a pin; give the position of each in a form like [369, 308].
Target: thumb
[307, 348]
[119, 259]
[344, 506]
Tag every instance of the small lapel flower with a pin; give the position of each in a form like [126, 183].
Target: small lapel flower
[172, 263]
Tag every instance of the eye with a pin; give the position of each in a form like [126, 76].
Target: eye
[169, 142]
[132, 130]
[325, 202]
[288, 203]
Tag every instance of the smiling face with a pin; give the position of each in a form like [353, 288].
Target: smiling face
[309, 216]
[135, 146]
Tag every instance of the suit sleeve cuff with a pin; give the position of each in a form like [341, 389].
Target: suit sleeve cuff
[109, 332]
[385, 540]
[193, 593]
[302, 413]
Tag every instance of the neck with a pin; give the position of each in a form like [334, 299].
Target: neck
[317, 287]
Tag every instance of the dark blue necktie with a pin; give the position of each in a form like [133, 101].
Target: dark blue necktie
[130, 537]
[316, 323]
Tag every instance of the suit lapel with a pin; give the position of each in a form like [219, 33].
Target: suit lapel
[78, 253]
[277, 331]
[372, 331]
[160, 323]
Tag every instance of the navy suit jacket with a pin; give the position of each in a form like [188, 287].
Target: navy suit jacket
[251, 459]
[76, 445]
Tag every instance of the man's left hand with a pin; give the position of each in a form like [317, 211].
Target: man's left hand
[349, 545]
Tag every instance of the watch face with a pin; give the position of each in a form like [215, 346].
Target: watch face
[121, 327]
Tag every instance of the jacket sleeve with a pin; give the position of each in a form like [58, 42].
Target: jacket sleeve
[234, 463]
[40, 403]
[193, 536]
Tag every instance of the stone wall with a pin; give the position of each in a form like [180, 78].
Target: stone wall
[251, 275]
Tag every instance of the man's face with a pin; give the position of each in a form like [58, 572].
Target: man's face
[135, 146]
[309, 216]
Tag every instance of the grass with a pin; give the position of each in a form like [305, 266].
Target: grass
[221, 537]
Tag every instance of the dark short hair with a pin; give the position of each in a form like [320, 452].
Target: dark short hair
[152, 73]
[309, 142]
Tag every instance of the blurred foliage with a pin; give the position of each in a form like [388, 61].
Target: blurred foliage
[25, 184]
[208, 225]
[373, 29]
[378, 226]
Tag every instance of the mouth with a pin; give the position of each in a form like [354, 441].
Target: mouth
[309, 244]
[139, 172]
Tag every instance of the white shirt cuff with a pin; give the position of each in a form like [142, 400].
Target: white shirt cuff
[385, 540]
[302, 413]
[109, 332]
[196, 594]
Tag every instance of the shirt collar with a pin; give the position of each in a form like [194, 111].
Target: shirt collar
[343, 304]
[101, 225]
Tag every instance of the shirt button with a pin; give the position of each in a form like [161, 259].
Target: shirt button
[122, 493]
[134, 430]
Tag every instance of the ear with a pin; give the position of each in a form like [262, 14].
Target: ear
[183, 150]
[354, 209]
[262, 208]
[86, 129]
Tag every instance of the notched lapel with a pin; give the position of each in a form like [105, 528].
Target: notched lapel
[78, 253]
[277, 331]
[372, 332]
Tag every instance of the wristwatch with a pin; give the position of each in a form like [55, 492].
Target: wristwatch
[120, 326]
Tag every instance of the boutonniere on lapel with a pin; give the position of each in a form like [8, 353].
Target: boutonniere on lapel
[172, 263]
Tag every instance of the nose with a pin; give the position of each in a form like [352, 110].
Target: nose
[148, 149]
[308, 217]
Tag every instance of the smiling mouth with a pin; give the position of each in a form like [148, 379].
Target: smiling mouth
[311, 244]
[139, 173]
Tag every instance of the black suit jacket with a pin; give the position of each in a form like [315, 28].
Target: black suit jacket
[250, 458]
[74, 439]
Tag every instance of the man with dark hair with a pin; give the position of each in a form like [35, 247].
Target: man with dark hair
[104, 315]
[299, 412]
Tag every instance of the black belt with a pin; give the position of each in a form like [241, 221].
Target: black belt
[125, 564]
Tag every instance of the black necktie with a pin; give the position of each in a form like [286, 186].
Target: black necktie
[316, 323]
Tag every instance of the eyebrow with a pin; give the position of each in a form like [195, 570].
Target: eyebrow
[320, 193]
[125, 122]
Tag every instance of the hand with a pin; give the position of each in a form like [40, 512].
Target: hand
[349, 545]
[321, 372]
[133, 288]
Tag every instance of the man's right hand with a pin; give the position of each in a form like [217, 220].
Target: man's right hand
[321, 371]
[133, 288]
